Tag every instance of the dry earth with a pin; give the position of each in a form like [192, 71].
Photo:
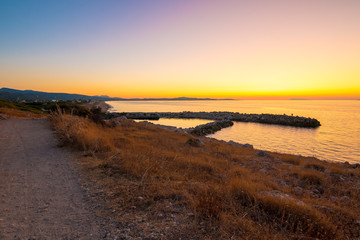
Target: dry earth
[41, 197]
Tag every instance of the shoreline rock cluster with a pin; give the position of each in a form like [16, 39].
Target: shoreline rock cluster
[276, 119]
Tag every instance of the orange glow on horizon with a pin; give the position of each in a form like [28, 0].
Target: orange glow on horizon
[221, 49]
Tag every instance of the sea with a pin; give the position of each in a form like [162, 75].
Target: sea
[337, 139]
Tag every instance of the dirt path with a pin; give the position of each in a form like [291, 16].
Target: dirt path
[40, 196]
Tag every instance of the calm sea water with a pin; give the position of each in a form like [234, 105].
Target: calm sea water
[338, 139]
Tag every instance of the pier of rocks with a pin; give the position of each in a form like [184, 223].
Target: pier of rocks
[277, 119]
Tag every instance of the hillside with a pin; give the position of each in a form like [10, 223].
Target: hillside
[161, 184]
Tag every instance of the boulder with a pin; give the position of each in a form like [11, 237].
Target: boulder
[240, 144]
[261, 153]
[195, 142]
[356, 165]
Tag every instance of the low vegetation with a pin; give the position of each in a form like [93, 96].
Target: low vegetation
[42, 109]
[18, 110]
[156, 185]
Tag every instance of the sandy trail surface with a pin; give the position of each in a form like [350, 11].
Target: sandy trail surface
[40, 194]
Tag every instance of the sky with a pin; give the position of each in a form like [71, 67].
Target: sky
[258, 49]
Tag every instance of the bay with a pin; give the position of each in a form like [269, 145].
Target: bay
[337, 139]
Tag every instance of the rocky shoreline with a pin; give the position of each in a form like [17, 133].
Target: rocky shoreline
[98, 104]
[276, 119]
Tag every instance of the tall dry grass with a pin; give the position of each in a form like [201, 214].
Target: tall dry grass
[231, 191]
[81, 133]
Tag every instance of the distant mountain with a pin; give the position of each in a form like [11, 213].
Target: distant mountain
[171, 99]
[31, 95]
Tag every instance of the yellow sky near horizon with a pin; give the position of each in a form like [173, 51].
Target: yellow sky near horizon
[222, 49]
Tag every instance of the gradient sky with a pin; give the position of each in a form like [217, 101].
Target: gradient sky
[194, 48]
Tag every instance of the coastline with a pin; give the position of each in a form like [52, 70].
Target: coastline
[170, 184]
[338, 121]
[166, 184]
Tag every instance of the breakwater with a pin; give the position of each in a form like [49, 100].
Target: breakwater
[277, 119]
[210, 128]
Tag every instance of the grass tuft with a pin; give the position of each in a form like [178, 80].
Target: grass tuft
[82, 133]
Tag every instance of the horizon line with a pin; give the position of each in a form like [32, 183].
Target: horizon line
[255, 97]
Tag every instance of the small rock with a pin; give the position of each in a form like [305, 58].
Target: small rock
[316, 191]
[248, 145]
[195, 142]
[356, 165]
[281, 195]
[298, 190]
[191, 215]
[280, 183]
[262, 153]
[344, 198]
[277, 194]
[241, 145]
[333, 199]
[314, 195]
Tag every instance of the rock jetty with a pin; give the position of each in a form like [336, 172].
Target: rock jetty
[277, 119]
[134, 115]
[209, 128]
[286, 120]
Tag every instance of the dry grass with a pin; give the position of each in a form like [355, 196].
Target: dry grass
[84, 134]
[212, 191]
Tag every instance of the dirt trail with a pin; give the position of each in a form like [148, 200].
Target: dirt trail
[40, 196]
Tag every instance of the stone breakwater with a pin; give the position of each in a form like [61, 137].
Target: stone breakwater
[209, 128]
[285, 120]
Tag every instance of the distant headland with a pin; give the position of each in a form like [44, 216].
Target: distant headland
[15, 95]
